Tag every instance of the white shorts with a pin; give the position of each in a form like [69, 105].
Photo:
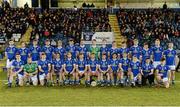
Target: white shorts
[156, 63]
[81, 72]
[20, 77]
[42, 77]
[172, 67]
[34, 78]
[165, 79]
[9, 63]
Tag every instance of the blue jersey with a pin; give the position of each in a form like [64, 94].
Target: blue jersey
[49, 52]
[157, 53]
[136, 51]
[24, 54]
[146, 54]
[71, 49]
[69, 65]
[11, 52]
[93, 64]
[170, 56]
[57, 64]
[104, 65]
[146, 69]
[163, 70]
[113, 51]
[124, 63]
[81, 64]
[17, 65]
[60, 50]
[103, 50]
[135, 67]
[35, 51]
[44, 66]
[114, 63]
[123, 50]
[83, 50]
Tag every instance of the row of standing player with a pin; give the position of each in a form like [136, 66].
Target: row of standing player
[136, 51]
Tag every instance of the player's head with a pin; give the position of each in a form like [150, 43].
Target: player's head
[146, 46]
[163, 61]
[148, 60]
[157, 42]
[47, 42]
[43, 56]
[23, 44]
[59, 43]
[35, 42]
[29, 60]
[114, 44]
[81, 55]
[135, 58]
[94, 42]
[92, 55]
[18, 56]
[136, 42]
[104, 41]
[71, 42]
[170, 45]
[125, 55]
[103, 56]
[124, 44]
[114, 55]
[58, 55]
[69, 55]
[11, 42]
[82, 42]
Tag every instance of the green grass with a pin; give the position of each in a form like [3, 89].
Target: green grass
[89, 96]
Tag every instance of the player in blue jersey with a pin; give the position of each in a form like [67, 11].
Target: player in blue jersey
[81, 68]
[104, 67]
[35, 51]
[147, 72]
[60, 49]
[146, 53]
[123, 49]
[93, 68]
[10, 52]
[69, 70]
[24, 52]
[48, 50]
[44, 67]
[157, 53]
[71, 48]
[134, 71]
[17, 71]
[136, 49]
[122, 74]
[57, 68]
[163, 73]
[104, 49]
[82, 49]
[113, 50]
[171, 60]
[114, 68]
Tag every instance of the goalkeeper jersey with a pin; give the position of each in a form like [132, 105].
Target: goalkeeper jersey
[30, 68]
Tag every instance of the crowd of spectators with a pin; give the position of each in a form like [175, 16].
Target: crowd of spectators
[149, 24]
[69, 23]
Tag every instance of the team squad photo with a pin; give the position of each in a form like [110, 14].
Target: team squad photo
[95, 65]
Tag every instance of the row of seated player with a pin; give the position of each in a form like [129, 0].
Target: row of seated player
[150, 24]
[114, 69]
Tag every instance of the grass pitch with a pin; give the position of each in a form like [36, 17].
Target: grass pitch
[88, 96]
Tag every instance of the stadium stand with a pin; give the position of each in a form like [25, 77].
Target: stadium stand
[149, 24]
